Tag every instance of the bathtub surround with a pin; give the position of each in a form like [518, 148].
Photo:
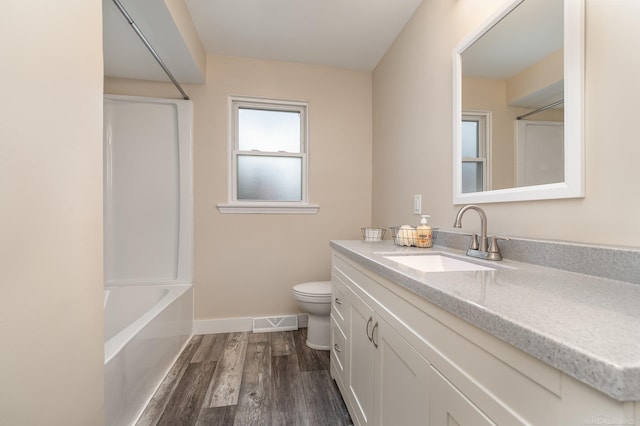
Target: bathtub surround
[148, 226]
[148, 191]
[151, 324]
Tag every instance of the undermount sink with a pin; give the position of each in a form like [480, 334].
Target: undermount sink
[437, 263]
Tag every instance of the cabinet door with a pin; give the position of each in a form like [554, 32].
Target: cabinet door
[449, 407]
[360, 360]
[402, 379]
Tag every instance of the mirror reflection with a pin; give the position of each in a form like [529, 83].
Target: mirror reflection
[512, 101]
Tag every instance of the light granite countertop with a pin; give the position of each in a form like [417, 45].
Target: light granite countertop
[585, 326]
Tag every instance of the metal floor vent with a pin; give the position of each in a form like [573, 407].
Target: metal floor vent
[269, 324]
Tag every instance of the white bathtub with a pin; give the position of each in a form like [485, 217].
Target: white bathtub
[145, 328]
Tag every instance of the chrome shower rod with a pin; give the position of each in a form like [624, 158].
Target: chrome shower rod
[556, 103]
[150, 48]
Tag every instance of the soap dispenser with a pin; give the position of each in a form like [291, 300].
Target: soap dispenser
[424, 234]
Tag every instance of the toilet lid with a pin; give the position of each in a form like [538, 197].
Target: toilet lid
[315, 288]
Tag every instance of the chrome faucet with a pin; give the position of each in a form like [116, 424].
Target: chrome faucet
[487, 247]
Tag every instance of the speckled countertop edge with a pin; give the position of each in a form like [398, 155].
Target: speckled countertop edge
[587, 327]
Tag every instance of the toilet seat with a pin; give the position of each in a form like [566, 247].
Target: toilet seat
[313, 292]
[319, 288]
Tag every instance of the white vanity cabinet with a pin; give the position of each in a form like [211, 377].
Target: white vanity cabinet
[405, 361]
[384, 380]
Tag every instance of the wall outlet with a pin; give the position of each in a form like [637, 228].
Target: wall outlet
[417, 204]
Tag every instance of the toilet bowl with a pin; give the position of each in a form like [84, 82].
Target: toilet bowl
[315, 299]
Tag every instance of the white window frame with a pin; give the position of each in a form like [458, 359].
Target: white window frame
[234, 205]
[483, 118]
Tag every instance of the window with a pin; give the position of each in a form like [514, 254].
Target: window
[268, 155]
[475, 147]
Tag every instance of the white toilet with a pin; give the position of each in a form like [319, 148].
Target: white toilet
[315, 299]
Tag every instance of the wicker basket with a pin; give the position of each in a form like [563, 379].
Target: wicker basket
[404, 236]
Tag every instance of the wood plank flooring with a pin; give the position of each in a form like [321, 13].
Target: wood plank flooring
[268, 379]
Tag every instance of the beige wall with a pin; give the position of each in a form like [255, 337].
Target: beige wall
[412, 116]
[547, 72]
[245, 265]
[51, 361]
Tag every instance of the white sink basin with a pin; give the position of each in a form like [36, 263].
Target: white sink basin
[437, 263]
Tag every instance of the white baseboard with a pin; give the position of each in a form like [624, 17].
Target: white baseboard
[303, 320]
[231, 325]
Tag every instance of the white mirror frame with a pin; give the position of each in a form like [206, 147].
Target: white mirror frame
[574, 184]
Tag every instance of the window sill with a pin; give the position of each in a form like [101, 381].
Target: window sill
[267, 208]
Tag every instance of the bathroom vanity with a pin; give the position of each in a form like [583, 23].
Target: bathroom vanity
[515, 344]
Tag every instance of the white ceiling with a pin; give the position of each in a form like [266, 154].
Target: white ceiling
[351, 34]
[528, 34]
[532, 31]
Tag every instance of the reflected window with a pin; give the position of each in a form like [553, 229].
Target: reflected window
[475, 162]
[270, 150]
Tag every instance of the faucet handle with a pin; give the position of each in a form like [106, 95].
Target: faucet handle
[493, 244]
[474, 242]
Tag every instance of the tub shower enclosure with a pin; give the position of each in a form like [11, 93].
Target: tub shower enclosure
[148, 247]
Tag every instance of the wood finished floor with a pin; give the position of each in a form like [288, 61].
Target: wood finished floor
[269, 379]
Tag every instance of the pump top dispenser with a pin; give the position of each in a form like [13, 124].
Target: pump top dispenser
[424, 234]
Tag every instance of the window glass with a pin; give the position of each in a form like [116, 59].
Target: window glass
[268, 131]
[472, 177]
[470, 139]
[475, 140]
[266, 178]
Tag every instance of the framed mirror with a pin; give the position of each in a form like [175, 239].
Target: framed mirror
[518, 105]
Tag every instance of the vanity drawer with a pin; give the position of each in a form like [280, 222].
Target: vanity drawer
[339, 300]
[338, 347]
